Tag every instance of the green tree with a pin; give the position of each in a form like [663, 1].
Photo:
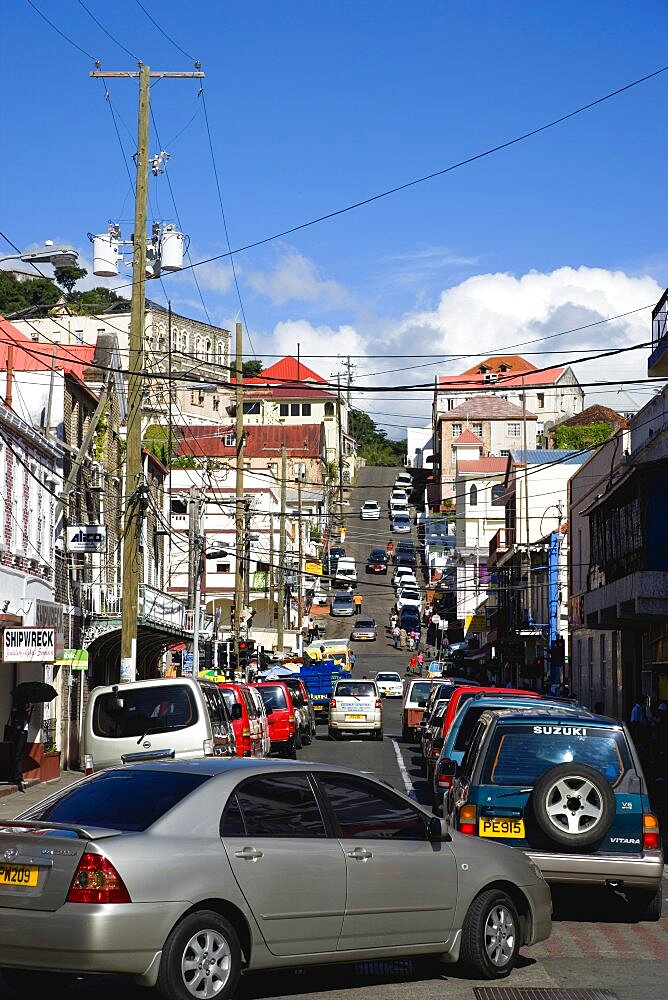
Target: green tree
[67, 277]
[18, 295]
[251, 368]
[584, 436]
[373, 444]
[94, 301]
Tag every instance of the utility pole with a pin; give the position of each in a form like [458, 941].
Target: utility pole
[300, 550]
[133, 466]
[281, 553]
[239, 495]
[526, 499]
[247, 551]
[338, 414]
[271, 570]
[194, 568]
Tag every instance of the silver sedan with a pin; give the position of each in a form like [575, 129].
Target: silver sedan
[186, 874]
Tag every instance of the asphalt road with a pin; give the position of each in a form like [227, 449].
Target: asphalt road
[593, 944]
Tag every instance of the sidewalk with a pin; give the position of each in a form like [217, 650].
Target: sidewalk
[14, 802]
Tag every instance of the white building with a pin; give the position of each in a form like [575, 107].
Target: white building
[420, 447]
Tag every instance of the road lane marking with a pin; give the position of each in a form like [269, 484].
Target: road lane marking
[405, 776]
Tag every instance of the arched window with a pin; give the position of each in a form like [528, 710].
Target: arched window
[329, 409]
[198, 347]
[221, 354]
[498, 496]
[184, 342]
[473, 495]
[207, 350]
[175, 340]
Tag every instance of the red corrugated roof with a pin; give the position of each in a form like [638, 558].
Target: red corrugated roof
[511, 379]
[300, 441]
[489, 465]
[29, 355]
[288, 369]
[502, 362]
[287, 392]
[467, 437]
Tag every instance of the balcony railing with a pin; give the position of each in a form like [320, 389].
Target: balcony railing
[155, 607]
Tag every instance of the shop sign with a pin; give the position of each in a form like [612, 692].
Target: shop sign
[313, 568]
[48, 614]
[86, 538]
[76, 659]
[28, 645]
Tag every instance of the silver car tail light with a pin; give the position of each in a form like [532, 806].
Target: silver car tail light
[207, 748]
[88, 763]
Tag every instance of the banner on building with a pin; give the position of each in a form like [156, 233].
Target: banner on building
[86, 538]
[28, 645]
[49, 614]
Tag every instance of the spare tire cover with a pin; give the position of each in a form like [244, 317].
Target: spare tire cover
[573, 804]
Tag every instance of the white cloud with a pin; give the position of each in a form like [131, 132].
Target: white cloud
[217, 277]
[493, 313]
[318, 345]
[296, 278]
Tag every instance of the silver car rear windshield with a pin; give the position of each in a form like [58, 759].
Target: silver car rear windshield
[122, 799]
[160, 708]
[360, 690]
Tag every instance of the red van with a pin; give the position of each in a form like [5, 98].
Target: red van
[247, 725]
[281, 712]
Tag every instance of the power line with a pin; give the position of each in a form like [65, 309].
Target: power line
[62, 34]
[107, 32]
[164, 33]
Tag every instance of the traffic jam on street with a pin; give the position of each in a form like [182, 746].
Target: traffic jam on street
[415, 823]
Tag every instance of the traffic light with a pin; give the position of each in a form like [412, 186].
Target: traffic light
[244, 654]
[559, 652]
[208, 655]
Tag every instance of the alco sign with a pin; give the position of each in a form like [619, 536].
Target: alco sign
[86, 538]
[29, 645]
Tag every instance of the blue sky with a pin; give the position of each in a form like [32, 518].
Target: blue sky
[313, 105]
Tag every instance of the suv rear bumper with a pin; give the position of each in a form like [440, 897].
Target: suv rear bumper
[643, 872]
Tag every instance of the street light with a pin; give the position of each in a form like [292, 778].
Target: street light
[48, 254]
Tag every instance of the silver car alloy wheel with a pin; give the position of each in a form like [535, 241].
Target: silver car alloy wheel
[499, 935]
[574, 805]
[206, 964]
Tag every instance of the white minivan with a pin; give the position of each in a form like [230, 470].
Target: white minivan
[346, 570]
[355, 707]
[165, 717]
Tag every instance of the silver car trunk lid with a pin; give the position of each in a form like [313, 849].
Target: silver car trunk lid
[47, 853]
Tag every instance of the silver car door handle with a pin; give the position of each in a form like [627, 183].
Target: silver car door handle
[248, 854]
[360, 854]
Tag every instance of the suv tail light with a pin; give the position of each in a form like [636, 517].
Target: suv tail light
[332, 702]
[207, 748]
[97, 881]
[89, 767]
[379, 703]
[651, 840]
[467, 820]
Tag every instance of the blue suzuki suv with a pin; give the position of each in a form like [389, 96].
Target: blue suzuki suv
[568, 789]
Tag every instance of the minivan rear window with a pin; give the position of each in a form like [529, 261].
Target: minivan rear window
[273, 697]
[357, 690]
[159, 708]
[518, 755]
[420, 691]
[124, 799]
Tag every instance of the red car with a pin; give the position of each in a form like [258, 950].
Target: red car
[462, 694]
[245, 719]
[281, 712]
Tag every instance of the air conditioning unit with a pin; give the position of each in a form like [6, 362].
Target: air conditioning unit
[95, 481]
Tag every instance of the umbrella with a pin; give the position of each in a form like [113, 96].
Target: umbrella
[34, 692]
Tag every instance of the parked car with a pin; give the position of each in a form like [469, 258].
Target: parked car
[285, 739]
[568, 789]
[398, 496]
[407, 582]
[248, 729]
[406, 545]
[370, 510]
[356, 708]
[466, 691]
[409, 618]
[122, 868]
[305, 705]
[459, 732]
[377, 562]
[179, 715]
[404, 481]
[390, 684]
[261, 711]
[401, 524]
[365, 629]
[342, 605]
[412, 710]
[400, 572]
[409, 598]
[406, 557]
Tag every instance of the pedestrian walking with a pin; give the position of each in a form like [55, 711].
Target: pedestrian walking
[357, 602]
[411, 641]
[396, 632]
[19, 723]
[412, 664]
[390, 550]
[403, 635]
[420, 661]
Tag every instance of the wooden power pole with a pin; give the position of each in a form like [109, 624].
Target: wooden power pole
[239, 520]
[133, 466]
[281, 553]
